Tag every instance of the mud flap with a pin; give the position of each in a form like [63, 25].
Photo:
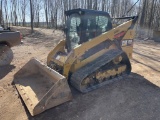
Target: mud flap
[41, 87]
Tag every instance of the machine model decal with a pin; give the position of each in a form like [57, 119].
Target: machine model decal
[127, 42]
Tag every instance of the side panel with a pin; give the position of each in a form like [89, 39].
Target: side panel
[82, 49]
[83, 61]
[89, 51]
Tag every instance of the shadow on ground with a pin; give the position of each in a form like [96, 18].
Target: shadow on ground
[4, 70]
[132, 98]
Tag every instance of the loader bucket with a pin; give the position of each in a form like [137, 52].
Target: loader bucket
[41, 87]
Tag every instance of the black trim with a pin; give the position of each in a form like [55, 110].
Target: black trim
[97, 48]
[84, 11]
[134, 22]
[128, 17]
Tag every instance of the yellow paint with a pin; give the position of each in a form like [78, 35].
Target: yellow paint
[80, 63]
[72, 61]
[60, 47]
[111, 72]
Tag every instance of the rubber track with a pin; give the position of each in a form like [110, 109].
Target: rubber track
[82, 73]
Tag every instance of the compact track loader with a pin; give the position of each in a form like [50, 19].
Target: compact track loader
[92, 55]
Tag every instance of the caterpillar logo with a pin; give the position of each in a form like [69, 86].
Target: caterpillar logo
[119, 35]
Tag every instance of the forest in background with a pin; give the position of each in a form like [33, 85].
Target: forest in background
[50, 13]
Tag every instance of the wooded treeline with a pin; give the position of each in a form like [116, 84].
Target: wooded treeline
[50, 13]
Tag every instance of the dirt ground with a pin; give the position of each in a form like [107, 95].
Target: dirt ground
[136, 97]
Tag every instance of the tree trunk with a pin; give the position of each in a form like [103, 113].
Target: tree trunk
[31, 16]
[143, 14]
[1, 13]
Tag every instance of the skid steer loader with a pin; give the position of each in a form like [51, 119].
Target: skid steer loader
[92, 55]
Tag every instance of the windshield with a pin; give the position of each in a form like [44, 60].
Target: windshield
[82, 28]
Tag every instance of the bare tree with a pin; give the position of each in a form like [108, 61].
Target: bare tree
[53, 11]
[1, 18]
[31, 13]
[23, 8]
[46, 10]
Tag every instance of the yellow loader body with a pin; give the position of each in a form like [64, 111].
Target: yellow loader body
[103, 56]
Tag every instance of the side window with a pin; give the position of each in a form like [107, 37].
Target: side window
[75, 21]
[102, 23]
[73, 33]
